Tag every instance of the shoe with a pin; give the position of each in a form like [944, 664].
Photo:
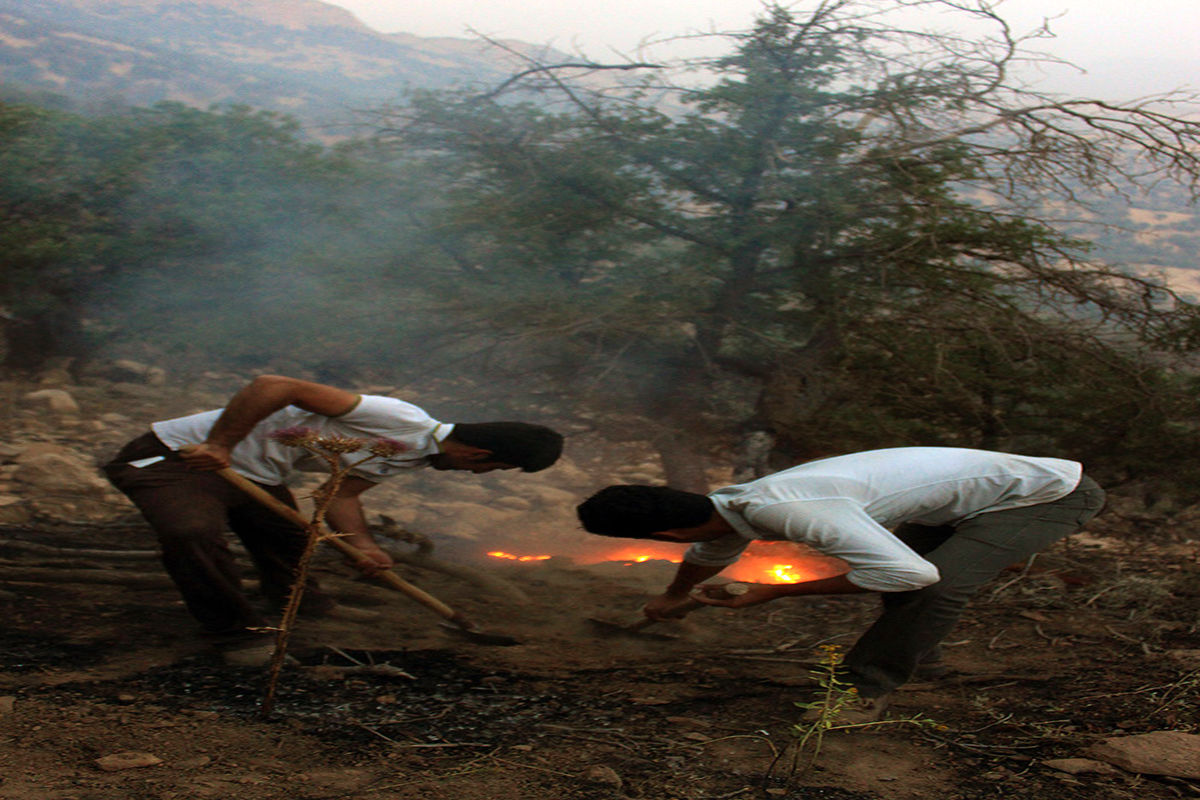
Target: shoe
[249, 654]
[248, 649]
[856, 711]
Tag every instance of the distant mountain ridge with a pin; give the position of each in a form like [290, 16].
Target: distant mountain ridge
[302, 57]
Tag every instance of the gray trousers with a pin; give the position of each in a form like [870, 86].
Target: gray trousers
[967, 555]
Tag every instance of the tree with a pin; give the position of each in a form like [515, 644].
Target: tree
[218, 233]
[848, 218]
[51, 225]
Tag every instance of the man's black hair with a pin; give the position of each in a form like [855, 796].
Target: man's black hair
[635, 511]
[522, 444]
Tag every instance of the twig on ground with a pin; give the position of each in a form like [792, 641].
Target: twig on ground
[1020, 577]
[54, 575]
[973, 747]
[78, 552]
[804, 662]
[994, 644]
[530, 766]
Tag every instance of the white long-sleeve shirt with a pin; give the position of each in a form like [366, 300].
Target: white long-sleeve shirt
[844, 506]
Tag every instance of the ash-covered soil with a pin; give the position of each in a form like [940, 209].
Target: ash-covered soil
[1099, 638]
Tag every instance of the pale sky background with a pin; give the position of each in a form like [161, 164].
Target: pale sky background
[1128, 47]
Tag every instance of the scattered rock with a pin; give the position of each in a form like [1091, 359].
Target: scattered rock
[513, 502]
[59, 401]
[6, 704]
[1080, 766]
[55, 376]
[1172, 753]
[38, 449]
[129, 759]
[552, 496]
[128, 370]
[60, 472]
[135, 390]
[337, 781]
[605, 776]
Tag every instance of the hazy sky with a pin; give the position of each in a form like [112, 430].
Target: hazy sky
[1129, 47]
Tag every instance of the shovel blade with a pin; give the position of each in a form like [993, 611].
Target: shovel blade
[607, 628]
[480, 637]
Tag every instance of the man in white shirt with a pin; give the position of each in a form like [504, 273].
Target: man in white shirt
[925, 526]
[169, 474]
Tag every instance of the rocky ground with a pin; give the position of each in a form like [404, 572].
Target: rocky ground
[1076, 678]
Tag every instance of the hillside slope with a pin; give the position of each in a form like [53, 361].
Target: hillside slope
[303, 57]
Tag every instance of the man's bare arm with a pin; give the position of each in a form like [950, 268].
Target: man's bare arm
[345, 515]
[765, 592]
[668, 604]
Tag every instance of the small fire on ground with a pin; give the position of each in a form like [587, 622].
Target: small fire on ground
[762, 562]
[511, 557]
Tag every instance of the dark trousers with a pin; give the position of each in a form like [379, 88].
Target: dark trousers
[967, 555]
[189, 511]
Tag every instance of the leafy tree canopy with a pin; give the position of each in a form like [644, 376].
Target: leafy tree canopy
[836, 236]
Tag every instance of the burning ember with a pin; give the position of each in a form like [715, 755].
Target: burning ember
[511, 557]
[763, 562]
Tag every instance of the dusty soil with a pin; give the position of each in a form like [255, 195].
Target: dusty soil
[98, 657]
[1099, 638]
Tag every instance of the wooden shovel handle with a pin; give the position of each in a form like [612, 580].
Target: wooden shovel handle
[387, 576]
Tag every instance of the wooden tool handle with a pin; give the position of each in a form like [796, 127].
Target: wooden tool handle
[387, 576]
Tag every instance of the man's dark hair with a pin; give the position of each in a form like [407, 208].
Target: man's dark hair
[530, 447]
[635, 511]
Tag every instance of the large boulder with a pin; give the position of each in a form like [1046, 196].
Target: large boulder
[59, 473]
[1172, 753]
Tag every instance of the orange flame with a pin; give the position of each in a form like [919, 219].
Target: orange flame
[786, 573]
[511, 557]
[762, 562]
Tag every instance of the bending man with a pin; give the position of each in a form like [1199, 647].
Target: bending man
[189, 506]
[959, 516]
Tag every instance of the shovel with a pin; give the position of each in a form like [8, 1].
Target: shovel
[638, 627]
[455, 621]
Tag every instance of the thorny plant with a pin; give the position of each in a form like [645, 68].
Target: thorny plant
[828, 711]
[334, 450]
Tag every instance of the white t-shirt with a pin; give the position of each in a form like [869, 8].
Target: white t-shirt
[844, 506]
[262, 459]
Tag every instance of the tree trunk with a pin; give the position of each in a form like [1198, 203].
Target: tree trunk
[753, 457]
[683, 464]
[33, 341]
